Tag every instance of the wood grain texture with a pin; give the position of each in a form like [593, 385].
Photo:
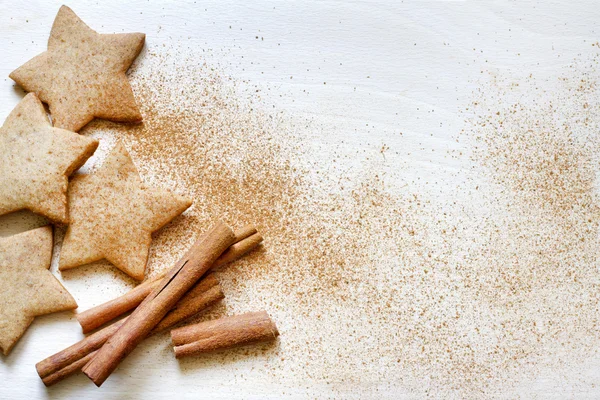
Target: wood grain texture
[387, 65]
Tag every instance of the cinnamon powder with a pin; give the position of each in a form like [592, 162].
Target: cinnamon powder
[373, 284]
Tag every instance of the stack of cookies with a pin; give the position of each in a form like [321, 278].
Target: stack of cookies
[110, 213]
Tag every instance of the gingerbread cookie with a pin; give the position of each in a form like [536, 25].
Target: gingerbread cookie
[82, 74]
[27, 288]
[36, 160]
[113, 214]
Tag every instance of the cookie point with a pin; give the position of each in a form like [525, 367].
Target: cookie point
[64, 8]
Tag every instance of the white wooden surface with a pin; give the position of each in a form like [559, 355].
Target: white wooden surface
[402, 56]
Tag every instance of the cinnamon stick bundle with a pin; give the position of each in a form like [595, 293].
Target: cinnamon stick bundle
[246, 239]
[70, 360]
[172, 287]
[223, 333]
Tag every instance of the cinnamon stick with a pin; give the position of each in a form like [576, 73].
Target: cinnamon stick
[67, 371]
[223, 333]
[238, 249]
[180, 279]
[70, 360]
[99, 315]
[246, 238]
[244, 232]
[193, 302]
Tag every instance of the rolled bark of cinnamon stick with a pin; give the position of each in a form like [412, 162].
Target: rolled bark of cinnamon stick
[70, 360]
[238, 249]
[194, 301]
[244, 232]
[99, 315]
[246, 238]
[67, 371]
[152, 310]
[223, 333]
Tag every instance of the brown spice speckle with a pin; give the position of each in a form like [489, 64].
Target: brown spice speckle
[436, 289]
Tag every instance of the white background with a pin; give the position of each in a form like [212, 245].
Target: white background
[380, 60]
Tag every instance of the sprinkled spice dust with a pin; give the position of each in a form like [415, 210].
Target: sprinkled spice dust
[535, 268]
[374, 284]
[246, 166]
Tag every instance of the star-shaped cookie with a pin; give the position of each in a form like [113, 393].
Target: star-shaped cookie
[82, 74]
[27, 288]
[36, 160]
[113, 214]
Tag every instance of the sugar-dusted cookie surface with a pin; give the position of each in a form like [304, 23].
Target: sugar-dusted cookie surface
[113, 214]
[82, 74]
[27, 288]
[36, 160]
